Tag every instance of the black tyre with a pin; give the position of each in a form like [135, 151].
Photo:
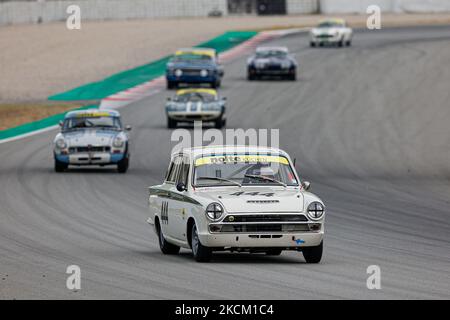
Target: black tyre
[219, 123]
[313, 254]
[340, 43]
[122, 165]
[171, 85]
[312, 44]
[292, 76]
[171, 123]
[166, 247]
[199, 251]
[274, 252]
[349, 43]
[60, 166]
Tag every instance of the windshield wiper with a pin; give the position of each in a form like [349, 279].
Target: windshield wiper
[220, 179]
[256, 176]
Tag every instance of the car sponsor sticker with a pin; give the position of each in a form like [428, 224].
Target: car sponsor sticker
[240, 159]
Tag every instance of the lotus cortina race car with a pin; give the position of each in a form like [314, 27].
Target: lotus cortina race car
[270, 62]
[194, 66]
[92, 137]
[334, 31]
[236, 198]
[191, 105]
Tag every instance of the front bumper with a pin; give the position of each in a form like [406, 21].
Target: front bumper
[271, 71]
[194, 116]
[250, 240]
[326, 39]
[100, 158]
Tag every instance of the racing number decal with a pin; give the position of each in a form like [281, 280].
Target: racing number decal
[165, 212]
[240, 193]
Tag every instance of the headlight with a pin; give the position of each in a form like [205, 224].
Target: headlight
[316, 210]
[178, 72]
[61, 143]
[204, 73]
[285, 64]
[118, 142]
[214, 211]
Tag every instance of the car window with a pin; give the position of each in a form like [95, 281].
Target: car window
[171, 174]
[184, 172]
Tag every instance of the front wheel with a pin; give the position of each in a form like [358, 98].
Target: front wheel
[60, 166]
[166, 247]
[219, 123]
[122, 165]
[199, 251]
[313, 254]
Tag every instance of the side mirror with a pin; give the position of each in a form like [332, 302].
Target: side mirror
[128, 128]
[224, 98]
[60, 124]
[169, 99]
[181, 187]
[306, 185]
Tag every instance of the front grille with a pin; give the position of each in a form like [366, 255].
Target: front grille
[190, 72]
[325, 36]
[89, 149]
[251, 228]
[266, 218]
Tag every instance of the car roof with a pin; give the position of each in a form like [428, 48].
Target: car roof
[335, 20]
[195, 152]
[262, 49]
[92, 113]
[199, 90]
[199, 51]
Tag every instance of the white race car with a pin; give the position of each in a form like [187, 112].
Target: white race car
[92, 137]
[238, 199]
[334, 31]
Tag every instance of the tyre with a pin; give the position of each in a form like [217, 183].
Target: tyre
[215, 84]
[340, 43]
[219, 123]
[349, 43]
[122, 165]
[292, 76]
[313, 254]
[171, 85]
[166, 247]
[60, 166]
[274, 252]
[312, 44]
[199, 251]
[171, 123]
[250, 77]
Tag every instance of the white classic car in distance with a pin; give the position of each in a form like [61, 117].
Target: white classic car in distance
[92, 137]
[332, 31]
[238, 199]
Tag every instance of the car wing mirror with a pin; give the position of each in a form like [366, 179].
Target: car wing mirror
[306, 185]
[60, 124]
[181, 187]
[224, 98]
[128, 128]
[169, 99]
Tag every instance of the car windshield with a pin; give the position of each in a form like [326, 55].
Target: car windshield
[228, 170]
[330, 25]
[195, 97]
[92, 122]
[271, 53]
[191, 57]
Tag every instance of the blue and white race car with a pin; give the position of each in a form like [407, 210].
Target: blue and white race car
[92, 137]
[194, 65]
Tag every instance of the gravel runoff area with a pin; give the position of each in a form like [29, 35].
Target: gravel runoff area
[40, 60]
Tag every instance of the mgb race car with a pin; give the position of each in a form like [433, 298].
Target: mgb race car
[92, 137]
[334, 31]
[272, 61]
[191, 105]
[194, 66]
[236, 198]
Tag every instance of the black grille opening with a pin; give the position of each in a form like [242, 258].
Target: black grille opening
[266, 218]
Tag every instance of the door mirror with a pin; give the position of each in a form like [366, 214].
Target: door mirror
[169, 99]
[224, 98]
[181, 187]
[128, 128]
[306, 185]
[60, 124]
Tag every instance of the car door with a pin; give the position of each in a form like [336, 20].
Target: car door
[180, 201]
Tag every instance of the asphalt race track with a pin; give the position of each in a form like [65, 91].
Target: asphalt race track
[370, 128]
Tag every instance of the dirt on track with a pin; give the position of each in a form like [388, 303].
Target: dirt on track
[40, 60]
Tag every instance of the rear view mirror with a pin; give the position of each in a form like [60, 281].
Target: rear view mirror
[306, 185]
[169, 99]
[128, 128]
[181, 187]
[60, 124]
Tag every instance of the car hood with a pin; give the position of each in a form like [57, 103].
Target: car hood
[90, 137]
[197, 106]
[319, 31]
[258, 199]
